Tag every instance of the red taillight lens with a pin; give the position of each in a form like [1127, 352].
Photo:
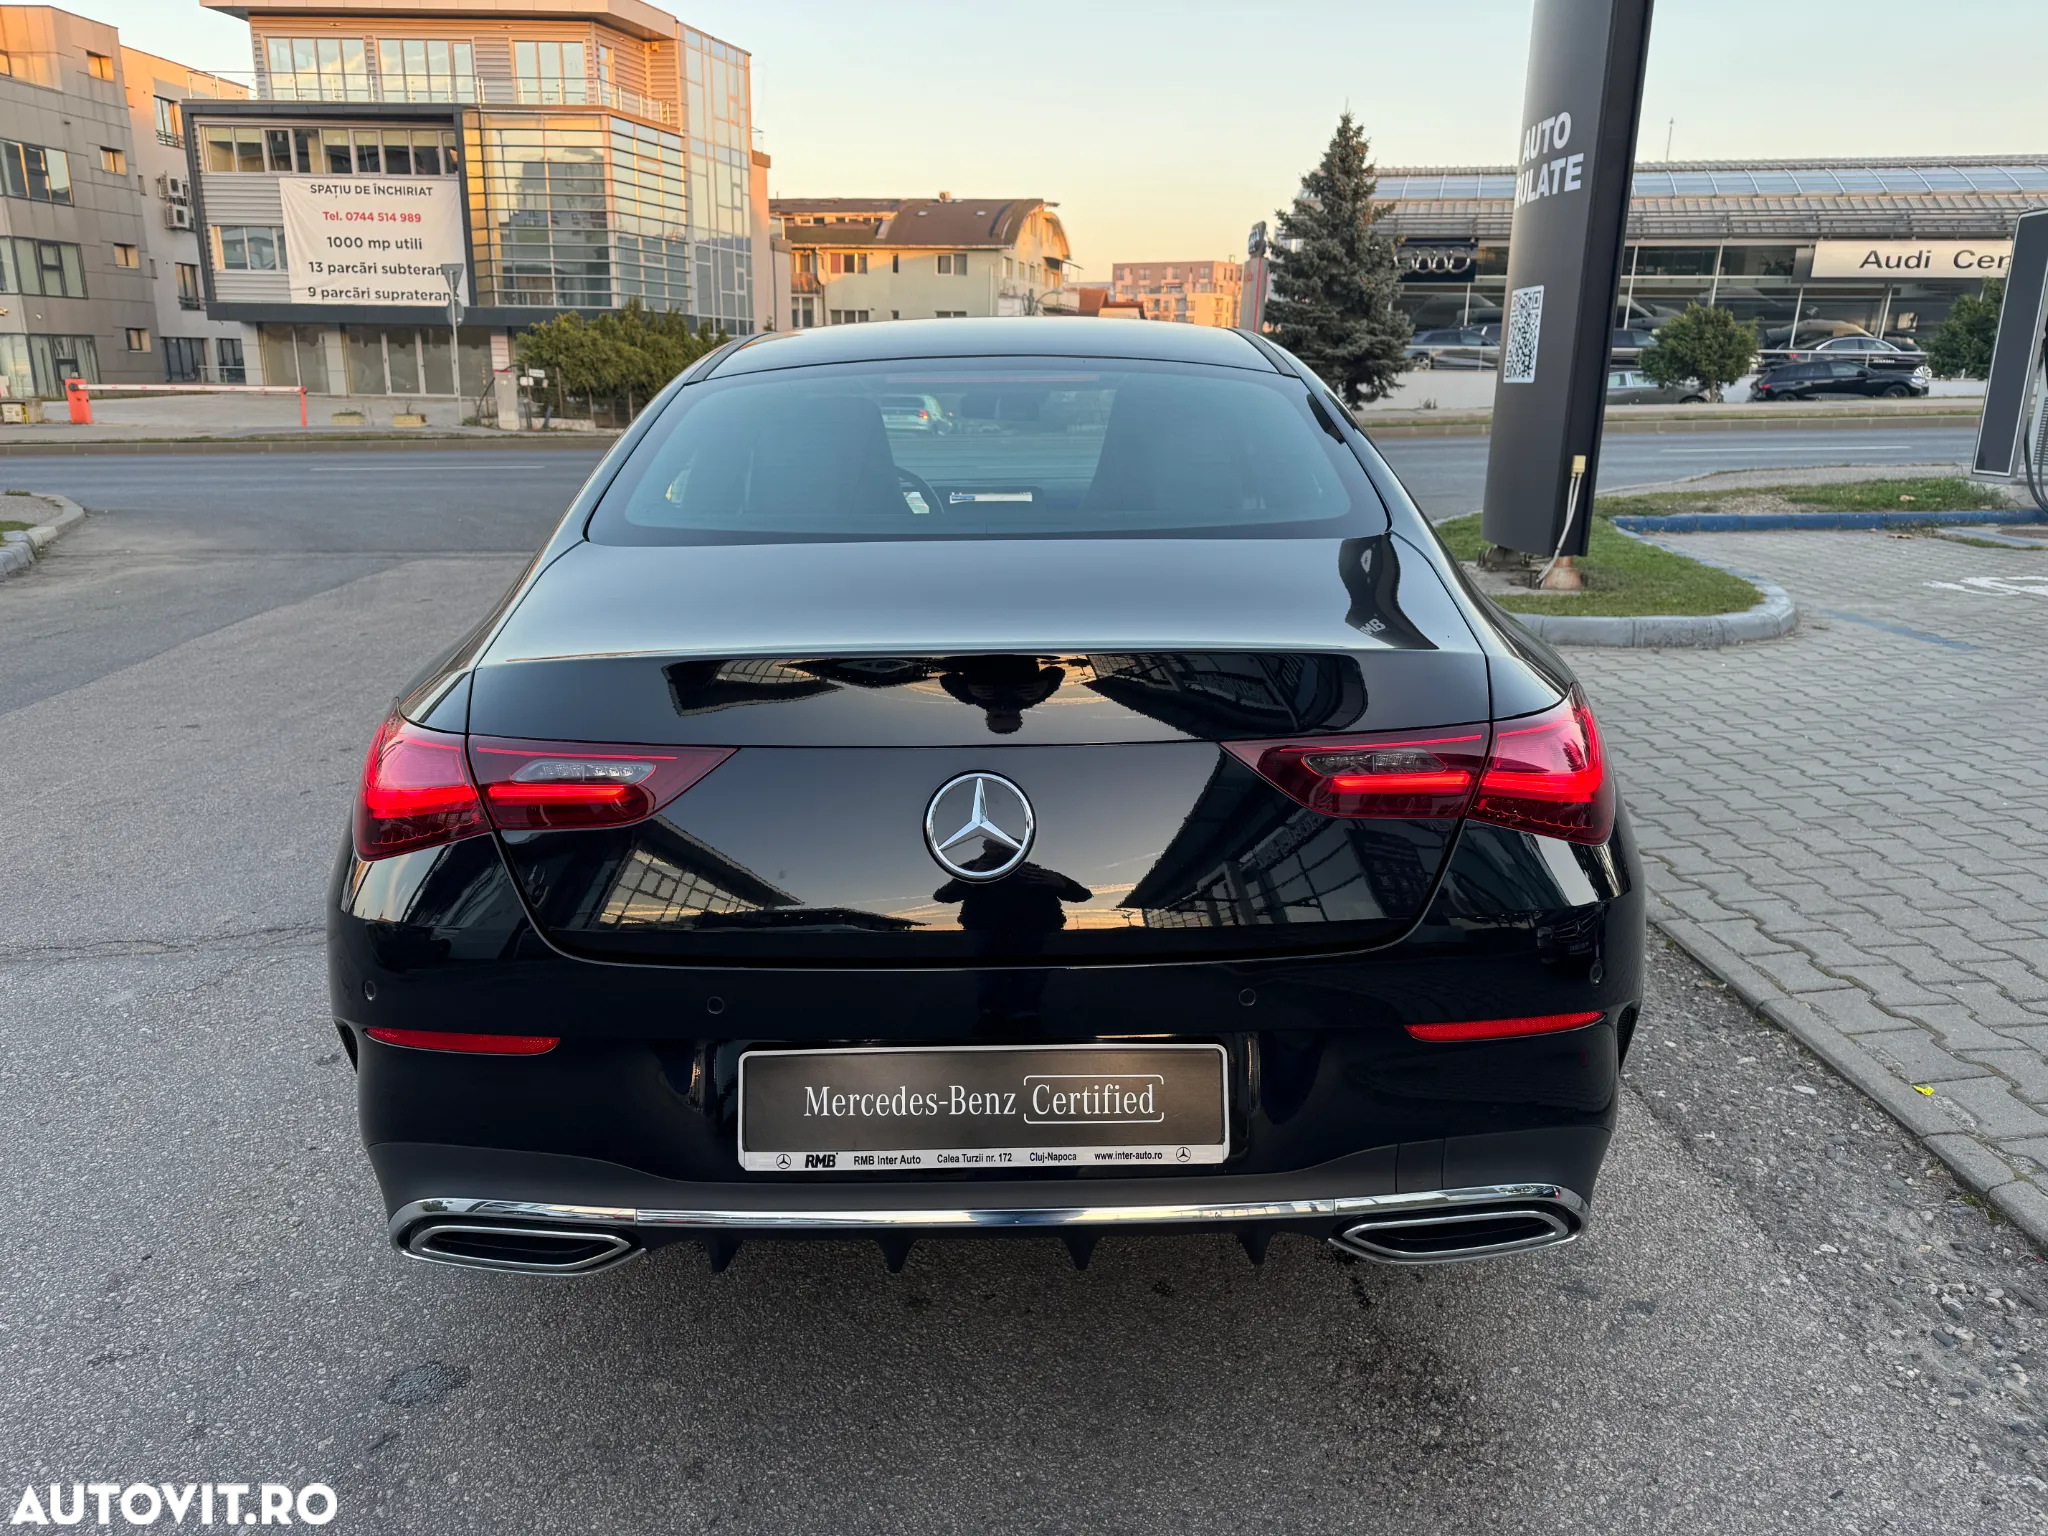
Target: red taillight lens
[1547, 774]
[415, 792]
[1414, 777]
[1502, 1029]
[480, 1045]
[1544, 773]
[532, 786]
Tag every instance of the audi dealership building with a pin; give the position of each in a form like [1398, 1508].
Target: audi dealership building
[1881, 246]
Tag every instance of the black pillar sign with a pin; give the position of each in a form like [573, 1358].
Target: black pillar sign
[1580, 105]
[2016, 356]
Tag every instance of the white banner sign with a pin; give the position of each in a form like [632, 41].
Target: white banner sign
[1911, 258]
[372, 240]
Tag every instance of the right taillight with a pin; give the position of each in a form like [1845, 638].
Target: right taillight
[1541, 773]
[1548, 774]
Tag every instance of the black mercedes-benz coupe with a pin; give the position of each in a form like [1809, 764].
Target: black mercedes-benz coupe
[1116, 813]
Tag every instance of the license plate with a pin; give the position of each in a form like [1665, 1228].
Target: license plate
[883, 1110]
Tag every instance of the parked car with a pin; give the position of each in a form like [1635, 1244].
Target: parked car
[914, 413]
[1860, 346]
[1627, 346]
[1808, 381]
[1464, 347]
[846, 831]
[1626, 387]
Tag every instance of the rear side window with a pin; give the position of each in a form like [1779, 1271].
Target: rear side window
[988, 448]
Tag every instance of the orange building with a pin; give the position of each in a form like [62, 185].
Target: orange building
[1191, 292]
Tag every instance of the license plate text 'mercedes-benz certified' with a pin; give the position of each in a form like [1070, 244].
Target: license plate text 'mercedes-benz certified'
[1022, 1107]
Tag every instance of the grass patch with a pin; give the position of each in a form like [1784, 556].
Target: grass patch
[1950, 493]
[1625, 578]
[7, 526]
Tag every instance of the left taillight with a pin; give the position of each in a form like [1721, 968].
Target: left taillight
[537, 786]
[422, 788]
[415, 792]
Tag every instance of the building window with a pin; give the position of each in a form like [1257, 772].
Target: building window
[138, 339]
[170, 123]
[319, 69]
[846, 262]
[425, 69]
[954, 265]
[100, 66]
[113, 161]
[39, 365]
[189, 293]
[227, 351]
[895, 263]
[550, 74]
[803, 312]
[184, 359]
[46, 267]
[850, 317]
[127, 256]
[248, 248]
[31, 171]
[949, 314]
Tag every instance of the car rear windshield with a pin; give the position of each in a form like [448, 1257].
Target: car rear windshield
[989, 448]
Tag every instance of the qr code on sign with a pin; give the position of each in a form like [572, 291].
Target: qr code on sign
[1525, 323]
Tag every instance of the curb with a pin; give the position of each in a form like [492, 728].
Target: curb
[21, 548]
[1768, 522]
[598, 441]
[1461, 425]
[1776, 615]
[2017, 1198]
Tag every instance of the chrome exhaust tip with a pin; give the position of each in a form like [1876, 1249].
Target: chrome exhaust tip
[524, 1250]
[1452, 1237]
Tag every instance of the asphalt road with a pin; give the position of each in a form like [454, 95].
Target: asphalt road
[1784, 1319]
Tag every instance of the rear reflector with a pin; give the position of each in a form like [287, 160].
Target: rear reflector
[1427, 776]
[1542, 773]
[532, 786]
[1499, 1029]
[415, 792]
[480, 1045]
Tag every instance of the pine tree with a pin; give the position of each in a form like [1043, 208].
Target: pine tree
[1334, 276]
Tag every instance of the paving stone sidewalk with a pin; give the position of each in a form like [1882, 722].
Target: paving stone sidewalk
[1851, 825]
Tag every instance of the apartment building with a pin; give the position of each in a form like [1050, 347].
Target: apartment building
[192, 345]
[547, 156]
[1189, 292]
[74, 292]
[857, 259]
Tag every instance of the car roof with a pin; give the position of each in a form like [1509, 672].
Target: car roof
[1019, 336]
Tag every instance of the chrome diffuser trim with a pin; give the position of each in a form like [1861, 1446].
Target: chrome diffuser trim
[884, 1219]
[418, 1243]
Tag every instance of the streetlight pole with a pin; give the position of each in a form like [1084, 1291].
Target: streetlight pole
[453, 272]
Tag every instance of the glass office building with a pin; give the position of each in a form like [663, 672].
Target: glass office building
[577, 212]
[1768, 240]
[718, 102]
[603, 153]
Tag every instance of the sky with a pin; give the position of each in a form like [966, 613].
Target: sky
[1165, 128]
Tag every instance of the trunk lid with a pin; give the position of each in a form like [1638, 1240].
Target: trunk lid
[1098, 677]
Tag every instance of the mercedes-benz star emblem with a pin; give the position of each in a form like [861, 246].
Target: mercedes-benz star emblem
[979, 826]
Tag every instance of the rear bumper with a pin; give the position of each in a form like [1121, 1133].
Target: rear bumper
[1338, 1116]
[1354, 1201]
